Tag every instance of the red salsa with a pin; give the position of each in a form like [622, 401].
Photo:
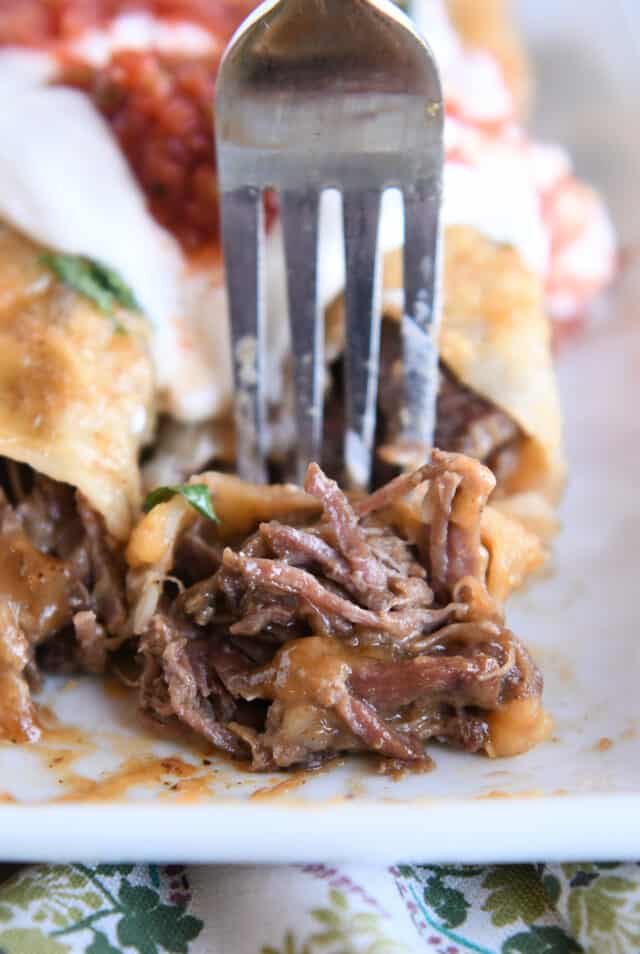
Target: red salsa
[161, 110]
[47, 22]
[159, 105]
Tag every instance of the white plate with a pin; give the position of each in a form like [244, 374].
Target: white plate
[575, 797]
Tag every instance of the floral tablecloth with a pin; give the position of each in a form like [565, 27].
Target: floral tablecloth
[319, 909]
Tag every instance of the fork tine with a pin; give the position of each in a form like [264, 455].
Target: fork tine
[421, 313]
[299, 212]
[363, 318]
[243, 246]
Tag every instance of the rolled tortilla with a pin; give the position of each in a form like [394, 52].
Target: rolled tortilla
[495, 339]
[76, 404]
[76, 389]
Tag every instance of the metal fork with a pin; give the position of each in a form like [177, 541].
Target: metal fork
[312, 95]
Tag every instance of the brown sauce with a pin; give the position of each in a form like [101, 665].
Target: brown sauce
[289, 785]
[145, 771]
[296, 780]
[34, 586]
[190, 790]
[62, 747]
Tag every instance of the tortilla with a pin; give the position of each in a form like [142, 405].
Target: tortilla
[495, 338]
[76, 385]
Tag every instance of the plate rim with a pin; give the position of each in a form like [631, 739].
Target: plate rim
[287, 830]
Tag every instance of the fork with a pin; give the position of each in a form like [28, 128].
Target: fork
[315, 95]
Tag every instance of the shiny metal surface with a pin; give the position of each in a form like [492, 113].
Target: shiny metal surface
[363, 317]
[318, 94]
[242, 213]
[300, 210]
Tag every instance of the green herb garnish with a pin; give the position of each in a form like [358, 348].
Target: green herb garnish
[198, 495]
[95, 281]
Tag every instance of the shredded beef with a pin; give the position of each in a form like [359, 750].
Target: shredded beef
[61, 589]
[347, 633]
[106, 570]
[466, 423]
[176, 681]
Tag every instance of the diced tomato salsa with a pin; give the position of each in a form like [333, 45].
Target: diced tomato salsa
[159, 106]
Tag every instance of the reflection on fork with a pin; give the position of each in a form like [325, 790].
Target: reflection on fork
[313, 95]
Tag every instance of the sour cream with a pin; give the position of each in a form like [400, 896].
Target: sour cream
[142, 31]
[65, 182]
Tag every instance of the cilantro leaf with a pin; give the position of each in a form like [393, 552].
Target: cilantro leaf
[95, 281]
[198, 495]
[112, 282]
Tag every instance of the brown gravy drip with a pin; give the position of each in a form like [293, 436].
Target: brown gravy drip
[35, 586]
[177, 780]
[148, 770]
[189, 790]
[283, 788]
[61, 747]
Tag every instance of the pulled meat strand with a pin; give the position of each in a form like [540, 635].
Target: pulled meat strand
[304, 548]
[171, 685]
[279, 577]
[453, 506]
[397, 488]
[318, 636]
[365, 723]
[367, 572]
[457, 680]
[107, 571]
